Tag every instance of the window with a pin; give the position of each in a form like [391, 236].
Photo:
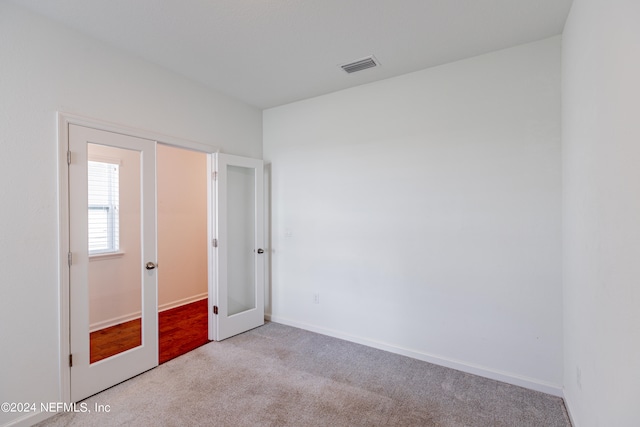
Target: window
[104, 206]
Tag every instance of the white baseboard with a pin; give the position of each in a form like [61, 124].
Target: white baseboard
[183, 301]
[29, 419]
[132, 316]
[114, 321]
[567, 405]
[506, 377]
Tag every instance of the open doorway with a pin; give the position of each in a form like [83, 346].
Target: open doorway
[182, 251]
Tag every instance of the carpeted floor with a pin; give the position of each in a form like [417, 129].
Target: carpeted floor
[276, 375]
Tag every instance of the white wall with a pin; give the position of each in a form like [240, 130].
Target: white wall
[425, 212]
[601, 179]
[182, 226]
[46, 68]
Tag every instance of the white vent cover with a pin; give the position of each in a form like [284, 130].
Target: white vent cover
[360, 64]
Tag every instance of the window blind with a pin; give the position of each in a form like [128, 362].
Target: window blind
[104, 224]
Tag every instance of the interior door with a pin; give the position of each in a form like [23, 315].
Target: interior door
[113, 280]
[239, 255]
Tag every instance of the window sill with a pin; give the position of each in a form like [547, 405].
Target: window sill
[106, 255]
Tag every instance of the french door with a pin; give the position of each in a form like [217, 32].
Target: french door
[240, 245]
[113, 280]
[113, 252]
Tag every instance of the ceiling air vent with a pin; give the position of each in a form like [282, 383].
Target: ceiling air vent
[360, 64]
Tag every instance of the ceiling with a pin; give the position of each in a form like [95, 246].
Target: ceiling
[272, 52]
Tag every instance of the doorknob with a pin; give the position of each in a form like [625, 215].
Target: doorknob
[260, 251]
[150, 266]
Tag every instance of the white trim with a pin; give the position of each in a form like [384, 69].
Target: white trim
[93, 327]
[30, 419]
[567, 406]
[211, 251]
[471, 368]
[63, 241]
[183, 301]
[105, 255]
[105, 159]
[138, 133]
[138, 314]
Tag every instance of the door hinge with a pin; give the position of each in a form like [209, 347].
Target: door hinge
[69, 259]
[70, 360]
[215, 309]
[68, 157]
[214, 242]
[214, 175]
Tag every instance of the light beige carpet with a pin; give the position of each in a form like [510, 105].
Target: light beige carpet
[276, 375]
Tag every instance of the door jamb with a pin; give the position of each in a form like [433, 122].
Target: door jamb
[63, 122]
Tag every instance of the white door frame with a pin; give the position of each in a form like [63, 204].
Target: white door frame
[64, 120]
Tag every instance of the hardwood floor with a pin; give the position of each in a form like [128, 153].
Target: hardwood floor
[180, 330]
[113, 340]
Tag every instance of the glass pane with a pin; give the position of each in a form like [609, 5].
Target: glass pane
[104, 192]
[115, 277]
[241, 286]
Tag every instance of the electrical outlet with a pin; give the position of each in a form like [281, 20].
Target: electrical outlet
[316, 298]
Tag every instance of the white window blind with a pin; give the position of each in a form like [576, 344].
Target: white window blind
[104, 206]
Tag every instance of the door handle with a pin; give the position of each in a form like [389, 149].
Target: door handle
[150, 265]
[260, 251]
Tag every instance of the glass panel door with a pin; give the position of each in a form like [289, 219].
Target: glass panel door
[113, 281]
[240, 252]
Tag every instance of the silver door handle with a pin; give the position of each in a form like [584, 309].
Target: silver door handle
[260, 251]
[150, 266]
